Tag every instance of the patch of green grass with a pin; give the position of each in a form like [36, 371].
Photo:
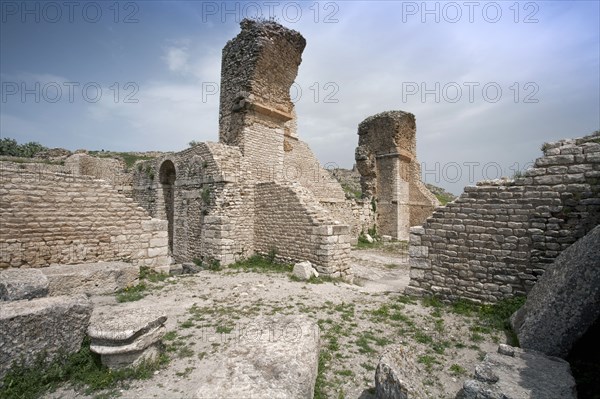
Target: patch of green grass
[149, 274]
[187, 324]
[82, 369]
[428, 361]
[476, 337]
[170, 336]
[223, 329]
[368, 367]
[260, 263]
[185, 351]
[345, 373]
[431, 302]
[423, 338]
[132, 293]
[367, 338]
[457, 370]
[321, 383]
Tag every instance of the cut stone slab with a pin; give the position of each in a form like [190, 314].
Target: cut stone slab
[125, 337]
[564, 303]
[526, 374]
[17, 284]
[274, 357]
[398, 375]
[303, 270]
[91, 278]
[45, 326]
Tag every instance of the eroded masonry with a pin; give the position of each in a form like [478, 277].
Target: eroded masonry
[260, 189]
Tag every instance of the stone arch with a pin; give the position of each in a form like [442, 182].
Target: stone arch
[167, 176]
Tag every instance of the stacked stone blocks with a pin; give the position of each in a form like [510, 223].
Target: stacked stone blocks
[498, 237]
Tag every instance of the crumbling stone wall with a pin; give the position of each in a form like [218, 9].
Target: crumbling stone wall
[498, 237]
[258, 68]
[109, 169]
[60, 218]
[390, 173]
[290, 221]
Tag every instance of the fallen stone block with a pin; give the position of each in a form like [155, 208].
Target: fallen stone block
[17, 284]
[520, 373]
[45, 327]
[91, 278]
[190, 268]
[564, 302]
[273, 357]
[126, 337]
[398, 375]
[176, 269]
[304, 270]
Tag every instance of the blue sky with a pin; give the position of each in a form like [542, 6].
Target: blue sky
[488, 81]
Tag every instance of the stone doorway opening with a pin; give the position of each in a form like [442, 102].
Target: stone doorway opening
[167, 178]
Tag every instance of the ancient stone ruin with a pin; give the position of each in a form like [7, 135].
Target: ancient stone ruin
[386, 158]
[85, 227]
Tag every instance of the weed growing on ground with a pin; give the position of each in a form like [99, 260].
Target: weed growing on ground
[82, 369]
[260, 263]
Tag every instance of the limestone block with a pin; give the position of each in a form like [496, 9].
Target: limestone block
[274, 357]
[90, 278]
[50, 326]
[398, 375]
[125, 337]
[518, 373]
[564, 302]
[303, 270]
[16, 284]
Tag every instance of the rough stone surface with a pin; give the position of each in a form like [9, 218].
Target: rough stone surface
[499, 237]
[386, 158]
[303, 270]
[125, 337]
[527, 374]
[565, 302]
[90, 278]
[398, 375]
[49, 326]
[16, 284]
[275, 357]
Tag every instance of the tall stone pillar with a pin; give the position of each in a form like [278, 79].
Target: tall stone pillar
[258, 68]
[386, 159]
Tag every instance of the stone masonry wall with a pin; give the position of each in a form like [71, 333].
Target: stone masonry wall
[498, 237]
[108, 169]
[60, 218]
[213, 204]
[301, 165]
[290, 221]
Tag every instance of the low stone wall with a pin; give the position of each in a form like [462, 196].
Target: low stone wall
[498, 237]
[59, 218]
[291, 221]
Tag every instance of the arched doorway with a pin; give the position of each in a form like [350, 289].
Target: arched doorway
[167, 180]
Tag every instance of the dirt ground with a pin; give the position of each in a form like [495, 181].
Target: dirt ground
[357, 322]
